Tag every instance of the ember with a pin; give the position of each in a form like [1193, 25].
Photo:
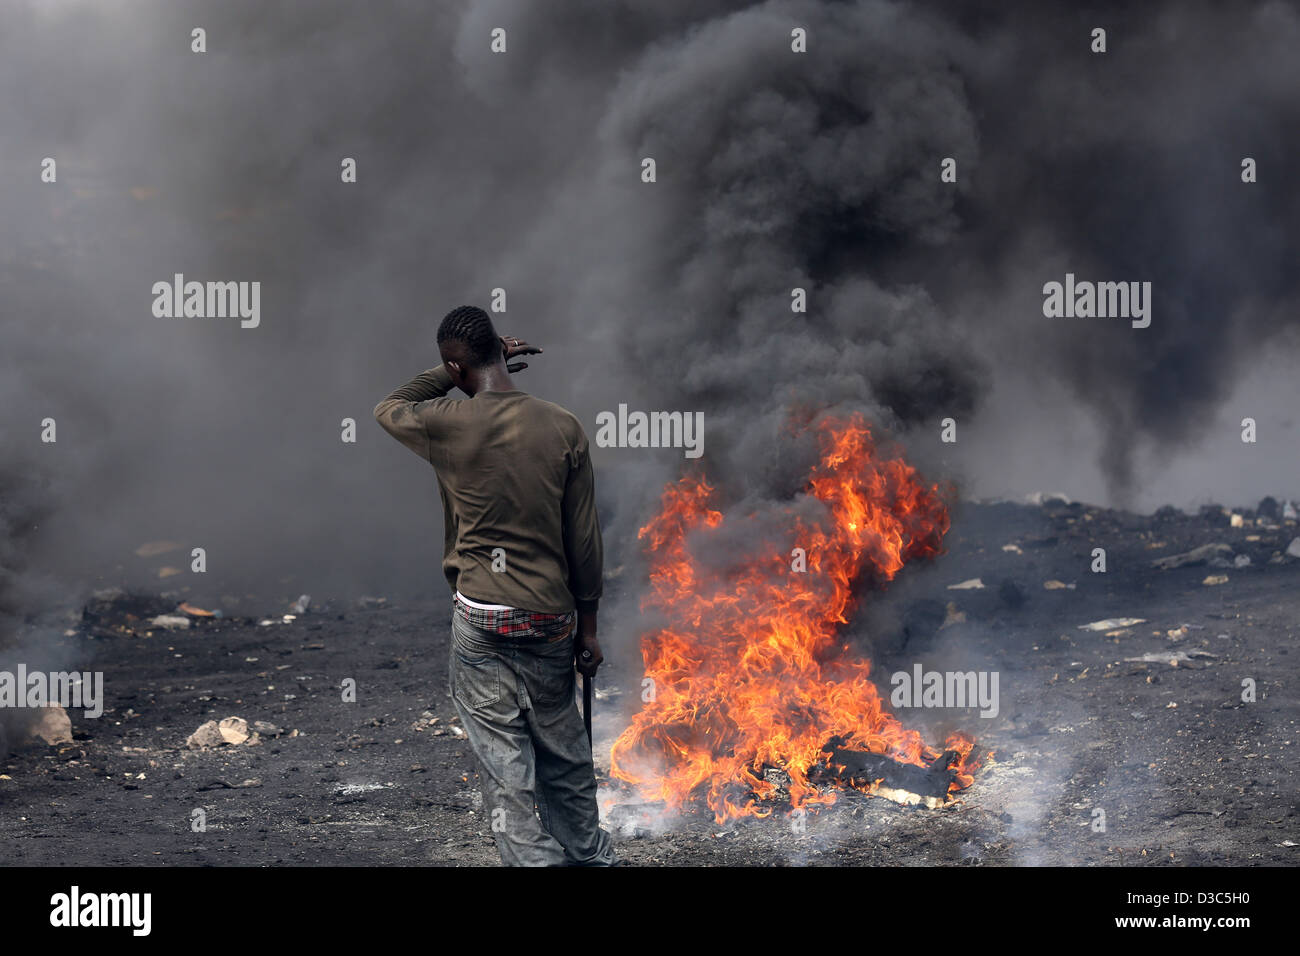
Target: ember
[748, 673]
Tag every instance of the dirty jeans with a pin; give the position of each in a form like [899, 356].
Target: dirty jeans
[516, 701]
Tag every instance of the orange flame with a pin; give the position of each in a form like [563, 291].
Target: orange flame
[747, 672]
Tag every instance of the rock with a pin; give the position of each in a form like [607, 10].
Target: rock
[973, 584]
[54, 726]
[1214, 579]
[233, 730]
[171, 621]
[206, 736]
[1195, 556]
[1241, 561]
[265, 728]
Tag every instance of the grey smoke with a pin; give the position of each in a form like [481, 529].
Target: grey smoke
[522, 171]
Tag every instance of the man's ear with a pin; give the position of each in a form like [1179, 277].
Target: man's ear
[457, 373]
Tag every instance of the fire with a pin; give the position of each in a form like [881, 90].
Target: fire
[747, 672]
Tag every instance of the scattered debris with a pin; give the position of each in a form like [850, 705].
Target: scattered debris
[168, 571]
[953, 616]
[225, 785]
[1288, 512]
[152, 548]
[264, 728]
[1293, 549]
[1111, 623]
[366, 602]
[1012, 548]
[353, 789]
[1195, 556]
[300, 606]
[1214, 579]
[1055, 585]
[973, 584]
[171, 621]
[1173, 658]
[193, 611]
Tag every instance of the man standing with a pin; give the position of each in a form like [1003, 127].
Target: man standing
[522, 554]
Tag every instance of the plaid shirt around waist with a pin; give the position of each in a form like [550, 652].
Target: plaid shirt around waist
[517, 623]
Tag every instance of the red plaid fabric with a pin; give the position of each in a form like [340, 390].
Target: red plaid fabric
[517, 623]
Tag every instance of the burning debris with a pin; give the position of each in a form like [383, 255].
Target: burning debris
[930, 786]
[748, 674]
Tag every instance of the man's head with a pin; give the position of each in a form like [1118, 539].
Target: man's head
[469, 346]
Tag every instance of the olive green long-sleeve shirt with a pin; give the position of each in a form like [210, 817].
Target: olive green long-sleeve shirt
[514, 474]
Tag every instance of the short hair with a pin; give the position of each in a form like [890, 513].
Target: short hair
[471, 326]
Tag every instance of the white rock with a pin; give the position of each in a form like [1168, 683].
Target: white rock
[171, 621]
[233, 730]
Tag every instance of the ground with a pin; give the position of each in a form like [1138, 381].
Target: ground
[1184, 770]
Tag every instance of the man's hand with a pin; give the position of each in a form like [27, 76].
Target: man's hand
[511, 346]
[586, 649]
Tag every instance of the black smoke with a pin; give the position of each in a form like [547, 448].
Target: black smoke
[522, 171]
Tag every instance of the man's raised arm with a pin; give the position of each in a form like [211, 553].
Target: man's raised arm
[398, 413]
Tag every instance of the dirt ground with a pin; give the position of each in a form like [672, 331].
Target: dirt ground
[1184, 770]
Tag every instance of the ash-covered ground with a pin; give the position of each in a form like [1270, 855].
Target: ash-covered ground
[1184, 770]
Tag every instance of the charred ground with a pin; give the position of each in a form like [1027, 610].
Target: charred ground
[1184, 770]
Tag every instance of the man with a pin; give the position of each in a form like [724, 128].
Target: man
[522, 554]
